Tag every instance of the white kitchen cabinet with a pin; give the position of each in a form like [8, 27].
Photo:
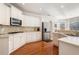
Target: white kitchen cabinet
[26, 37]
[29, 37]
[31, 21]
[33, 36]
[4, 14]
[17, 40]
[16, 13]
[38, 35]
[7, 15]
[22, 39]
[11, 43]
[4, 45]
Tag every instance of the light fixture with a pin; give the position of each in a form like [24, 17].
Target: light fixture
[62, 6]
[40, 8]
[22, 3]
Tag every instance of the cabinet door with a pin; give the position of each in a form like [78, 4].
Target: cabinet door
[27, 37]
[37, 22]
[39, 35]
[7, 15]
[11, 43]
[36, 36]
[13, 12]
[4, 14]
[4, 46]
[32, 35]
[23, 39]
[16, 13]
[31, 21]
[23, 20]
[17, 41]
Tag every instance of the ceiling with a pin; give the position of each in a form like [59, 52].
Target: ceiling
[57, 10]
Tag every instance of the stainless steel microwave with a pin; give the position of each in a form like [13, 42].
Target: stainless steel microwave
[15, 22]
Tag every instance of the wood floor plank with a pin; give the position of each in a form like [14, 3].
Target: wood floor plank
[37, 48]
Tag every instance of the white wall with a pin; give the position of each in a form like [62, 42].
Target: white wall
[58, 17]
[72, 13]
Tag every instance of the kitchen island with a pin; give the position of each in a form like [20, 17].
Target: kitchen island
[69, 45]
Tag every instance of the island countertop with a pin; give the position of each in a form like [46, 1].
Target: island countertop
[70, 40]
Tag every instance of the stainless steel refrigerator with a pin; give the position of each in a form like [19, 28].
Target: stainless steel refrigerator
[46, 31]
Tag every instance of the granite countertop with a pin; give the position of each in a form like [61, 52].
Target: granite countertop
[70, 40]
[4, 35]
[61, 33]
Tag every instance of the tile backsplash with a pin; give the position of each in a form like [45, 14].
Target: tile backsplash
[69, 32]
[6, 29]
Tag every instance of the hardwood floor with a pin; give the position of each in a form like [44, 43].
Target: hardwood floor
[37, 48]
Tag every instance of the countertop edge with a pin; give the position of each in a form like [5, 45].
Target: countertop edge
[65, 41]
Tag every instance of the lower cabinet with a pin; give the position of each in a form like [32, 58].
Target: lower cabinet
[22, 39]
[4, 46]
[19, 39]
[16, 41]
[11, 43]
[33, 36]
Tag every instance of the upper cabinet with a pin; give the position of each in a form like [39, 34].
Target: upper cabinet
[31, 21]
[11, 11]
[16, 13]
[28, 21]
[4, 14]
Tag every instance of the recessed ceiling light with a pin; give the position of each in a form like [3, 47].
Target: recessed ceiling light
[40, 8]
[62, 6]
[22, 3]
